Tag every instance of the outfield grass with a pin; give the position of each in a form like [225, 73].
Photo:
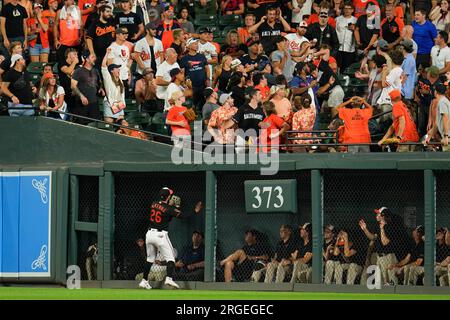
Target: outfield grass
[33, 293]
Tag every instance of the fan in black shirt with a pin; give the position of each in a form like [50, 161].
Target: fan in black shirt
[253, 255]
[282, 261]
[303, 256]
[130, 20]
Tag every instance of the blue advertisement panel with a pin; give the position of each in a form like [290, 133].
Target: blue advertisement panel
[34, 225]
[25, 216]
[10, 224]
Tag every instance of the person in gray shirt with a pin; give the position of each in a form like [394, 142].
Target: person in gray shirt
[210, 105]
[441, 126]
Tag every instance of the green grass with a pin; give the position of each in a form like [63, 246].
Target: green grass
[33, 293]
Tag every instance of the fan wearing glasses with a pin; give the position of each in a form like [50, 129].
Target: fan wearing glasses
[440, 54]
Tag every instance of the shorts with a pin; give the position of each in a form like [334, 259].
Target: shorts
[38, 50]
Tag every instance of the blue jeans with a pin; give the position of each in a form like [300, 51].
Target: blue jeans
[16, 112]
[37, 50]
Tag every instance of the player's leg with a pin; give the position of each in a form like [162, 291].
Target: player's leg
[228, 270]
[167, 252]
[339, 271]
[271, 268]
[353, 271]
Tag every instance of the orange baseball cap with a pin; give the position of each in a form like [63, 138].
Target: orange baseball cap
[48, 76]
[395, 94]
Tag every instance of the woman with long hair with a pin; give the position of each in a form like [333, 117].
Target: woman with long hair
[114, 103]
[440, 15]
[236, 85]
[337, 8]
[222, 74]
[303, 120]
[51, 97]
[232, 47]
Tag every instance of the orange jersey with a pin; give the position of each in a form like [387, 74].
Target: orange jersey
[410, 131]
[356, 123]
[176, 114]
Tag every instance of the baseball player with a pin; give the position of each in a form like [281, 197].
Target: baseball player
[157, 238]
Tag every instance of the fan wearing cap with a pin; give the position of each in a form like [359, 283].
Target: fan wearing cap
[255, 59]
[220, 117]
[282, 260]
[270, 26]
[403, 126]
[196, 68]
[206, 48]
[178, 83]
[164, 32]
[114, 103]
[441, 124]
[211, 97]
[17, 87]
[391, 240]
[129, 20]
[50, 14]
[161, 213]
[442, 266]
[120, 55]
[149, 51]
[409, 69]
[38, 35]
[101, 32]
[273, 128]
[412, 265]
[302, 257]
[297, 40]
[145, 91]
[51, 97]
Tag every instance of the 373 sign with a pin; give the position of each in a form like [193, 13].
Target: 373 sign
[271, 196]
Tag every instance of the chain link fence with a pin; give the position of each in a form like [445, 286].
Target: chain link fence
[244, 256]
[134, 193]
[353, 239]
[442, 259]
[87, 247]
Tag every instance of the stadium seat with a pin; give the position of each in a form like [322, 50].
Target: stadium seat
[231, 20]
[136, 117]
[132, 105]
[158, 125]
[101, 126]
[36, 67]
[205, 20]
[227, 29]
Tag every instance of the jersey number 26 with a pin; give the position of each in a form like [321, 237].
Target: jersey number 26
[155, 216]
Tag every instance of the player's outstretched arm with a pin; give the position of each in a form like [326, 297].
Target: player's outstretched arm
[197, 209]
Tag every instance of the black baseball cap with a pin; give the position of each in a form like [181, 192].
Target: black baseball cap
[174, 72]
[165, 192]
[121, 30]
[440, 88]
[250, 92]
[151, 25]
[113, 66]
[208, 92]
[199, 233]
[204, 30]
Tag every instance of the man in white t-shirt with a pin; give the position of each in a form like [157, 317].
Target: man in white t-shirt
[162, 77]
[345, 28]
[207, 49]
[120, 55]
[390, 81]
[177, 77]
[440, 53]
[149, 51]
[296, 40]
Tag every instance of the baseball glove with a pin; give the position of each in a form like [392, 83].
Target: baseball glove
[176, 201]
[190, 115]
[392, 141]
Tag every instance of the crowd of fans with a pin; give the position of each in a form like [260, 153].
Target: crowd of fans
[296, 73]
[347, 254]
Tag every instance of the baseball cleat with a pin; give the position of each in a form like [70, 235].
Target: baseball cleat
[144, 284]
[170, 282]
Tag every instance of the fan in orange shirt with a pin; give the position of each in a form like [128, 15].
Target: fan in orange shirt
[272, 128]
[356, 123]
[403, 126]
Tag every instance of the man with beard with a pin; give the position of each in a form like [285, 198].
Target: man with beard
[101, 33]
